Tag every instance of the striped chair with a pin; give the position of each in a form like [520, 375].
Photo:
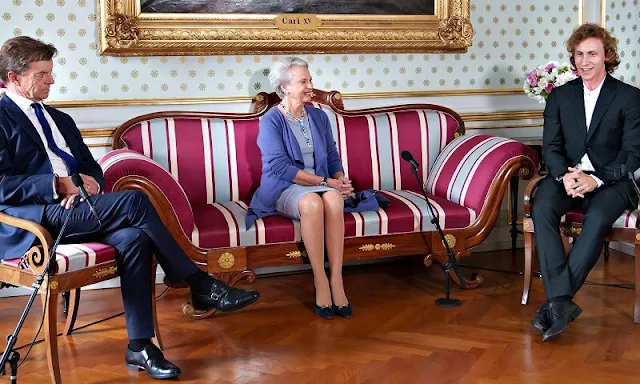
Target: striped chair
[75, 266]
[201, 169]
[625, 229]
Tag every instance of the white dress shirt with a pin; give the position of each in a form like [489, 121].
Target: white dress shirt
[590, 99]
[58, 165]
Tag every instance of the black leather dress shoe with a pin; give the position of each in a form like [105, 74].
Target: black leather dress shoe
[541, 319]
[151, 360]
[223, 298]
[560, 314]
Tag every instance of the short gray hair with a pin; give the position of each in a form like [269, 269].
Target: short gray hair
[279, 73]
[17, 54]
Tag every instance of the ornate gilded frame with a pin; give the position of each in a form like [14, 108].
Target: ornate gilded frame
[126, 31]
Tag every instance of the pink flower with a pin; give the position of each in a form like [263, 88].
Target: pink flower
[549, 67]
[533, 79]
[1, 84]
[549, 87]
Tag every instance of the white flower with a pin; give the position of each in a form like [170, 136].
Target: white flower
[544, 75]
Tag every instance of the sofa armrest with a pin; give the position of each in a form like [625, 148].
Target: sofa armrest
[129, 170]
[529, 192]
[471, 167]
[38, 257]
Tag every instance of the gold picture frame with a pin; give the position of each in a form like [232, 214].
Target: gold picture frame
[124, 30]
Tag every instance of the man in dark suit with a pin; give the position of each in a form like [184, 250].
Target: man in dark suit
[591, 139]
[40, 147]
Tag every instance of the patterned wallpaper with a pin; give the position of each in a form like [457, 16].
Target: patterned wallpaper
[623, 20]
[510, 38]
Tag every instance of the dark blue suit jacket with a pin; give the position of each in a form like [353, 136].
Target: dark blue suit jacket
[26, 175]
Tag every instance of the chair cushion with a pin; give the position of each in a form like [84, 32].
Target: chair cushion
[222, 224]
[628, 218]
[72, 257]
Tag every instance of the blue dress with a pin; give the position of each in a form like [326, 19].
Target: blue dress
[287, 203]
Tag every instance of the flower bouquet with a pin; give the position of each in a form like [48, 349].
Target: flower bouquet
[539, 82]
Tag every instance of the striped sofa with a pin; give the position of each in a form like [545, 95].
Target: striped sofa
[201, 169]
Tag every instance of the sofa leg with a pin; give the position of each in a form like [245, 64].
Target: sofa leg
[529, 251]
[231, 278]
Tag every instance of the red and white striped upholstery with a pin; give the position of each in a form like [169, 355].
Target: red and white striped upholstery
[465, 169]
[628, 219]
[222, 224]
[211, 159]
[72, 257]
[123, 162]
[210, 167]
[370, 145]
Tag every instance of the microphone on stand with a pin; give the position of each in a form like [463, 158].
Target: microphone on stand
[406, 155]
[624, 174]
[79, 183]
[446, 301]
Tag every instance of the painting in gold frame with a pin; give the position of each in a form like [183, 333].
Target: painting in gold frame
[124, 30]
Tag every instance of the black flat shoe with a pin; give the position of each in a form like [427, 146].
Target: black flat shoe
[151, 360]
[326, 312]
[223, 298]
[343, 311]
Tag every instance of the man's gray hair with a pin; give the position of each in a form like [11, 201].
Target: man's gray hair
[279, 73]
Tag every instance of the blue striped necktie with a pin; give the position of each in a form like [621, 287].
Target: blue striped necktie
[70, 161]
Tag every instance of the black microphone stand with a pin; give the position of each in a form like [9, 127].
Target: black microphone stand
[446, 301]
[10, 355]
[635, 185]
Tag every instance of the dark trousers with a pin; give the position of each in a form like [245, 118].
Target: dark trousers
[131, 225]
[561, 275]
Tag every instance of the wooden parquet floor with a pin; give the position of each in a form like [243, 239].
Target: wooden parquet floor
[397, 334]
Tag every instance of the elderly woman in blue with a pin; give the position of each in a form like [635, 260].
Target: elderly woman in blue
[303, 178]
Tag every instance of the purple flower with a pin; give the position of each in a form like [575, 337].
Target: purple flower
[1, 84]
[533, 79]
[549, 67]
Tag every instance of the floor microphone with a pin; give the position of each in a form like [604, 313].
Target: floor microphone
[79, 183]
[451, 263]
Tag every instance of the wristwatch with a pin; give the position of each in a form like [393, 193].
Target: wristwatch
[323, 183]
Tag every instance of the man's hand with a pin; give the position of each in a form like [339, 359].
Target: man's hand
[577, 183]
[68, 200]
[90, 185]
[66, 186]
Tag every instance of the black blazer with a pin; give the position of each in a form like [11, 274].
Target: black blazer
[612, 139]
[26, 175]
